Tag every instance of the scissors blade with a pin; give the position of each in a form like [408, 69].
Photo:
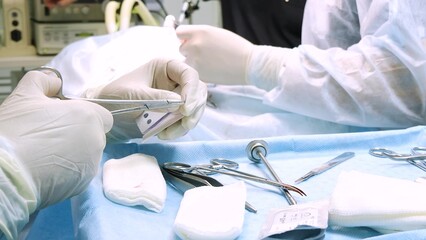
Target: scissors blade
[161, 102]
[326, 166]
[150, 105]
[140, 105]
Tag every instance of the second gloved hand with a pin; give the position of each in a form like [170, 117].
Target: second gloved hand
[156, 80]
[220, 56]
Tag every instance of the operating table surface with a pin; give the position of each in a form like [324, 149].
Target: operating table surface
[235, 115]
[98, 218]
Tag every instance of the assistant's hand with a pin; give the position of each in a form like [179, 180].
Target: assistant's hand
[53, 3]
[220, 56]
[155, 80]
[59, 143]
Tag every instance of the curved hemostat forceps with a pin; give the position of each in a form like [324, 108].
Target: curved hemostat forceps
[183, 181]
[140, 105]
[416, 157]
[226, 167]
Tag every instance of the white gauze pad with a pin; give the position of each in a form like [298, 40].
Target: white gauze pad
[209, 213]
[135, 180]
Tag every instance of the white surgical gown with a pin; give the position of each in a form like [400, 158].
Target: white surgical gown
[361, 63]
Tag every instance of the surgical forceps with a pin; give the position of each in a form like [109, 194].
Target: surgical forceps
[415, 158]
[183, 181]
[141, 105]
[227, 169]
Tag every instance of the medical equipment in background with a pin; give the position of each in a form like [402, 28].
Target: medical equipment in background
[415, 158]
[55, 28]
[118, 14]
[15, 34]
[326, 166]
[186, 11]
[256, 151]
[188, 7]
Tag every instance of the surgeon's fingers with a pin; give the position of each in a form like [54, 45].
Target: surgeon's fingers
[181, 127]
[194, 91]
[38, 84]
[192, 37]
[187, 31]
[93, 112]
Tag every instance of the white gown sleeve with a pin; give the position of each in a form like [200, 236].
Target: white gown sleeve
[379, 80]
[17, 196]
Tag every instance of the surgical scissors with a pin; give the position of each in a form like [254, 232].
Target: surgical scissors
[184, 181]
[221, 163]
[218, 165]
[415, 158]
[140, 105]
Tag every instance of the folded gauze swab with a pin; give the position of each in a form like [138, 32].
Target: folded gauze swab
[209, 213]
[382, 203]
[135, 180]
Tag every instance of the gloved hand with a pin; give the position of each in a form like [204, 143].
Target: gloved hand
[153, 81]
[49, 148]
[220, 56]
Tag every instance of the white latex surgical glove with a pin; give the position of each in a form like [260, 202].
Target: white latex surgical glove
[220, 56]
[155, 80]
[49, 148]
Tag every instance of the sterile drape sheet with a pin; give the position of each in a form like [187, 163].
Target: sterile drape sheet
[95, 217]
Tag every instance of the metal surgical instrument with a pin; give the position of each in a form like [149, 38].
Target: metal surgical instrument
[186, 168]
[183, 181]
[221, 163]
[140, 105]
[256, 151]
[325, 166]
[415, 158]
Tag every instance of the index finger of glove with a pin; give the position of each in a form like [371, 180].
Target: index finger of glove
[186, 31]
[37, 84]
[194, 91]
[90, 111]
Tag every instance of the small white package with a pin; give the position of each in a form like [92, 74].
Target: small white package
[306, 221]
